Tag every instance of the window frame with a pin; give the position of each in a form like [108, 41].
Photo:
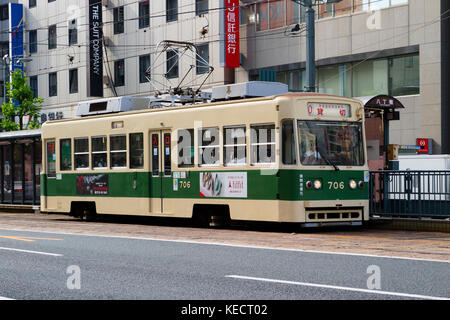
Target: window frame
[81, 153]
[55, 85]
[99, 152]
[69, 167]
[226, 163]
[201, 147]
[132, 150]
[119, 20]
[117, 76]
[112, 151]
[257, 144]
[282, 142]
[52, 37]
[144, 19]
[73, 72]
[192, 149]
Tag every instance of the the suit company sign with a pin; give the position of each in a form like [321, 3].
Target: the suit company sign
[95, 88]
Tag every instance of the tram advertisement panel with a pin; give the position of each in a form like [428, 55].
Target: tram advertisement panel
[223, 184]
[96, 184]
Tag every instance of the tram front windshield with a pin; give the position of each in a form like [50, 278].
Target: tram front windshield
[330, 143]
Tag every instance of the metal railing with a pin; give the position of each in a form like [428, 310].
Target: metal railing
[411, 194]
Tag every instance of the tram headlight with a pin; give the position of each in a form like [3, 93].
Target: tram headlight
[317, 184]
[309, 184]
[361, 184]
[352, 184]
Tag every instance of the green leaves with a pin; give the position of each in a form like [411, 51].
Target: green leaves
[20, 102]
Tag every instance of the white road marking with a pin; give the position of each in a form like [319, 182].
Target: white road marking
[233, 245]
[4, 298]
[307, 284]
[30, 251]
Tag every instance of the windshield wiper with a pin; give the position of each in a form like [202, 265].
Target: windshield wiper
[328, 160]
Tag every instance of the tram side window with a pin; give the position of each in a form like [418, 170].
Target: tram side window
[234, 148]
[262, 143]
[288, 142]
[51, 157]
[208, 149]
[81, 153]
[99, 155]
[136, 150]
[118, 152]
[65, 155]
[185, 148]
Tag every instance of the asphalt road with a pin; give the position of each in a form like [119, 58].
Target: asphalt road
[46, 266]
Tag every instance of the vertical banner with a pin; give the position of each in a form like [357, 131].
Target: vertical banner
[231, 19]
[16, 36]
[95, 79]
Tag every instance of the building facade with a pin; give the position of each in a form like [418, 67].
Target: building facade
[363, 48]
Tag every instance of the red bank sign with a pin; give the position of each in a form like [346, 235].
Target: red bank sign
[232, 34]
[424, 144]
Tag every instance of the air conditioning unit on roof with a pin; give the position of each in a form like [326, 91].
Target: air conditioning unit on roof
[249, 89]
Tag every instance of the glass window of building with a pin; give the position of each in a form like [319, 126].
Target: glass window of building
[325, 10]
[52, 37]
[32, 34]
[277, 13]
[172, 64]
[343, 7]
[334, 79]
[144, 14]
[73, 33]
[52, 84]
[119, 73]
[119, 25]
[73, 80]
[171, 10]
[262, 16]
[144, 64]
[370, 78]
[202, 58]
[4, 12]
[404, 75]
[34, 85]
[31, 3]
[201, 7]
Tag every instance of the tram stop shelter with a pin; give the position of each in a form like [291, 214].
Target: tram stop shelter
[20, 166]
[384, 108]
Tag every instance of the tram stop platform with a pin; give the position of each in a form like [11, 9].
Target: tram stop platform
[20, 208]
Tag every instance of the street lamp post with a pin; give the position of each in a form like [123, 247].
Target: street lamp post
[310, 41]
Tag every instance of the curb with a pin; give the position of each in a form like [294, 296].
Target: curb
[409, 224]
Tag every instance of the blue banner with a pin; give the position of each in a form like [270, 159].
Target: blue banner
[16, 36]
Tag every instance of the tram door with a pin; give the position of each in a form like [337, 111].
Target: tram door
[160, 169]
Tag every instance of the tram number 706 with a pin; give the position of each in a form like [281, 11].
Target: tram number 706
[336, 185]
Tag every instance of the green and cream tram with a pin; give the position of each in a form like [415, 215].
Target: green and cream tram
[294, 157]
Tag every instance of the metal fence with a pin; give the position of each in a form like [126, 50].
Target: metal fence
[412, 194]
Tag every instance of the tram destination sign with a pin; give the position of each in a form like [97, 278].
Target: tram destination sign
[332, 110]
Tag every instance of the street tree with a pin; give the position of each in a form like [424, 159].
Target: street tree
[20, 102]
